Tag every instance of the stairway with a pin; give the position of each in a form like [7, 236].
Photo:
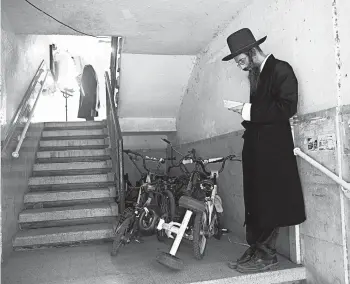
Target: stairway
[71, 196]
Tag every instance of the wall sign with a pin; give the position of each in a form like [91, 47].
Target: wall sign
[321, 142]
[326, 142]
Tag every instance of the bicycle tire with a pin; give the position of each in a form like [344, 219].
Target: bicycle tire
[167, 216]
[197, 227]
[172, 206]
[120, 232]
[170, 261]
[148, 229]
[218, 230]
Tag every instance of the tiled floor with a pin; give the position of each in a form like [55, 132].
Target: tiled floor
[135, 264]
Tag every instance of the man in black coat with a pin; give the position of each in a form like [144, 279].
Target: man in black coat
[273, 195]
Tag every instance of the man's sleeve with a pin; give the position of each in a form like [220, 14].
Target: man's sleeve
[281, 104]
[246, 111]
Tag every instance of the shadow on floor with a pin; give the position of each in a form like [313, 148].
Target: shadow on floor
[135, 263]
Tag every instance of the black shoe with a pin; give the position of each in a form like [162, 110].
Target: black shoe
[247, 255]
[261, 261]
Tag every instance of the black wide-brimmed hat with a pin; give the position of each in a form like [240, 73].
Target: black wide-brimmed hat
[241, 41]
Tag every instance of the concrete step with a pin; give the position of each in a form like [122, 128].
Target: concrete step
[75, 125]
[71, 215]
[74, 181]
[73, 144]
[75, 168]
[47, 199]
[74, 134]
[62, 236]
[73, 155]
[294, 275]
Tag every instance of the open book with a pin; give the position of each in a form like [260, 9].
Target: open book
[230, 104]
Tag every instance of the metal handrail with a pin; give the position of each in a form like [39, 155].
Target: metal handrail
[113, 109]
[345, 185]
[15, 154]
[116, 142]
[22, 107]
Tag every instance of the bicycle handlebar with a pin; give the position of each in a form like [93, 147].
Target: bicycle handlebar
[147, 158]
[166, 141]
[203, 162]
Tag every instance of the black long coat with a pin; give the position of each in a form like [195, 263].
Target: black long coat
[272, 189]
[89, 102]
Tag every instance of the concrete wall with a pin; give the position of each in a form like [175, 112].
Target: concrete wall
[21, 57]
[296, 39]
[131, 170]
[14, 183]
[343, 7]
[153, 85]
[326, 231]
[304, 34]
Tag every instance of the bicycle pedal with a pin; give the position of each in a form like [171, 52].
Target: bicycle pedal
[225, 231]
[140, 241]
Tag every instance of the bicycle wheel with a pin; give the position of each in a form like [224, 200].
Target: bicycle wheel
[217, 225]
[168, 204]
[199, 239]
[118, 240]
[147, 222]
[168, 207]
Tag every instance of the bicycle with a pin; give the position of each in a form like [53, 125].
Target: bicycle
[127, 228]
[206, 213]
[155, 183]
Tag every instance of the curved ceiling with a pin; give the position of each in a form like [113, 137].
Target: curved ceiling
[179, 27]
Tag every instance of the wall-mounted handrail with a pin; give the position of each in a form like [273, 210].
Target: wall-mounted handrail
[22, 107]
[323, 169]
[15, 154]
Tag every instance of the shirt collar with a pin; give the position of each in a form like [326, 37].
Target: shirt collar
[263, 63]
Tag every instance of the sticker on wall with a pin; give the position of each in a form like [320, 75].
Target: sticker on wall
[326, 142]
[312, 144]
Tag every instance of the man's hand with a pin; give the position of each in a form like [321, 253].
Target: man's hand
[237, 109]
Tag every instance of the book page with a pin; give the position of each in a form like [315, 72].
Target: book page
[232, 104]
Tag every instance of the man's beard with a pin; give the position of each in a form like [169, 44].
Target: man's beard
[253, 77]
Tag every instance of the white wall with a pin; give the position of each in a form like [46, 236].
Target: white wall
[153, 85]
[344, 32]
[21, 56]
[295, 33]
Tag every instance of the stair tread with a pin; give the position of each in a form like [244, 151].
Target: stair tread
[72, 165]
[70, 179]
[69, 153]
[73, 142]
[62, 230]
[60, 195]
[69, 191]
[67, 124]
[73, 132]
[68, 214]
[70, 208]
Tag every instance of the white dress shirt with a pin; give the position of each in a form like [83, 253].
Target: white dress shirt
[247, 106]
